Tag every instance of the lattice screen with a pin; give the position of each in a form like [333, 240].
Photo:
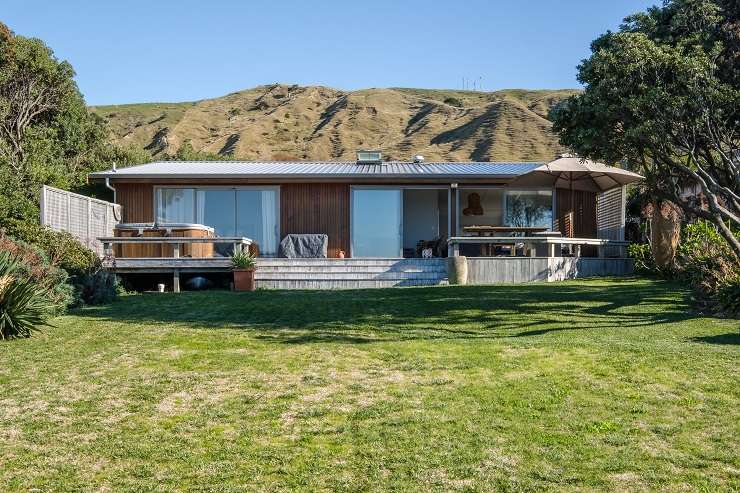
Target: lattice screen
[83, 217]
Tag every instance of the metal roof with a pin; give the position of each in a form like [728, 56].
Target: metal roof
[319, 169]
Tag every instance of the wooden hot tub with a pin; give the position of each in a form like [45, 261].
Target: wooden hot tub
[169, 230]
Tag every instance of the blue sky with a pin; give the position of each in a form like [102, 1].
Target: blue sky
[157, 50]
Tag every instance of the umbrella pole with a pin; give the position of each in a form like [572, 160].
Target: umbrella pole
[572, 208]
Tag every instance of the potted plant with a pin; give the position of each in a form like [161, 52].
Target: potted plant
[243, 264]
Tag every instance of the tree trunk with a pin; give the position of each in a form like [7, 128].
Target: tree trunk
[665, 232]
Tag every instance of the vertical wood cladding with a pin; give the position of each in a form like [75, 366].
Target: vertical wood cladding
[317, 208]
[136, 200]
[584, 213]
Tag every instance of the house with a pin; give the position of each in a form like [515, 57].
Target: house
[369, 209]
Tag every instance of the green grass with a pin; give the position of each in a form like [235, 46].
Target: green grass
[591, 385]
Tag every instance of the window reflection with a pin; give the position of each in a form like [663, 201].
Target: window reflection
[176, 205]
[529, 208]
[217, 209]
[376, 223]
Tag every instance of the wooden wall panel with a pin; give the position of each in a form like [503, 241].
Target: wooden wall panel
[137, 202]
[584, 217]
[317, 208]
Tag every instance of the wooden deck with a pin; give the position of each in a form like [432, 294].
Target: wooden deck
[355, 273]
[283, 273]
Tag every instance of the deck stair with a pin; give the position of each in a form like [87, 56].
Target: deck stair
[280, 273]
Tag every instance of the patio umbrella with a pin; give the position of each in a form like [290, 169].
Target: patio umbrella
[575, 173]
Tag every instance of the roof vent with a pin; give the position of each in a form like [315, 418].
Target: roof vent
[418, 158]
[369, 157]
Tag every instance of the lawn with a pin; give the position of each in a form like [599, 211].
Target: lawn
[587, 385]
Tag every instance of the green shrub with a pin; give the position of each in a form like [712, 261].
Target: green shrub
[454, 102]
[24, 306]
[34, 264]
[728, 297]
[703, 261]
[243, 260]
[71, 273]
[706, 262]
[643, 257]
[61, 248]
[96, 288]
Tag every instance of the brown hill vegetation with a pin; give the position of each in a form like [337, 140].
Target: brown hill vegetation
[294, 122]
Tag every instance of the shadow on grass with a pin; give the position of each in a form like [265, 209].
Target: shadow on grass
[730, 338]
[456, 312]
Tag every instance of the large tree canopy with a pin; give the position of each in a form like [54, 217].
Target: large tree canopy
[47, 135]
[663, 96]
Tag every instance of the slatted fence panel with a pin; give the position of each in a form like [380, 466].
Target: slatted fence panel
[83, 217]
[610, 217]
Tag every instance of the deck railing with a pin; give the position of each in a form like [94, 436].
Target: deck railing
[239, 242]
[574, 244]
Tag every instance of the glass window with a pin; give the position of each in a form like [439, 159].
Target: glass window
[529, 208]
[257, 218]
[481, 206]
[217, 209]
[175, 205]
[376, 223]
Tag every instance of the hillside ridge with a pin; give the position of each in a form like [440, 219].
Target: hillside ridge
[285, 122]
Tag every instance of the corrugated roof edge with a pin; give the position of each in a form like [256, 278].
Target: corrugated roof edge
[131, 171]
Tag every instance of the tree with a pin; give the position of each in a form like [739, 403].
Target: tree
[35, 91]
[663, 95]
[47, 134]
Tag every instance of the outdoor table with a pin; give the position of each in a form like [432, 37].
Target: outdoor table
[483, 230]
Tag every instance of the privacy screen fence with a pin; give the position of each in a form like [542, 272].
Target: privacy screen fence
[83, 217]
[610, 215]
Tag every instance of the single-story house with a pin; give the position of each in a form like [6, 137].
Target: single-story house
[369, 208]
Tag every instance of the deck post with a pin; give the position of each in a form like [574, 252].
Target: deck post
[600, 249]
[176, 281]
[452, 210]
[551, 250]
[453, 250]
[176, 250]
[578, 250]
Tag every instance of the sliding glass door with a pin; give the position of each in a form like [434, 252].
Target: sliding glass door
[257, 217]
[249, 211]
[376, 222]
[217, 209]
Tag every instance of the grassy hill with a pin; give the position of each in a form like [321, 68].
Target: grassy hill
[314, 122]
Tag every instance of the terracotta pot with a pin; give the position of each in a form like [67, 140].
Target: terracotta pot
[244, 280]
